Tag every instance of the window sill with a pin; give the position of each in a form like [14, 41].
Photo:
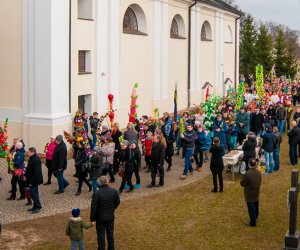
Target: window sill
[206, 40]
[229, 42]
[86, 19]
[134, 32]
[177, 37]
[84, 73]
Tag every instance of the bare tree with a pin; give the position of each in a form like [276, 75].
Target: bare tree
[232, 3]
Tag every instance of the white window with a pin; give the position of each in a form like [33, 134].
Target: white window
[177, 28]
[84, 62]
[206, 34]
[134, 21]
[85, 9]
[228, 35]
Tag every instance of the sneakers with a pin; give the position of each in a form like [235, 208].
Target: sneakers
[183, 176]
[137, 186]
[126, 186]
[36, 211]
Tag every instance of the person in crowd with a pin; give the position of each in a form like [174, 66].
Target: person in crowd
[249, 148]
[251, 183]
[294, 138]
[167, 131]
[276, 152]
[248, 97]
[95, 171]
[94, 122]
[188, 142]
[85, 118]
[220, 130]
[157, 161]
[81, 173]
[108, 150]
[256, 122]
[126, 165]
[136, 162]
[130, 134]
[59, 164]
[116, 134]
[34, 177]
[216, 164]
[104, 203]
[281, 116]
[274, 98]
[268, 147]
[296, 116]
[49, 150]
[202, 143]
[18, 160]
[243, 123]
[148, 147]
[271, 112]
[232, 136]
[105, 133]
[75, 228]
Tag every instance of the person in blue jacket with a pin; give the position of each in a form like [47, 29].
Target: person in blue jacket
[220, 129]
[202, 143]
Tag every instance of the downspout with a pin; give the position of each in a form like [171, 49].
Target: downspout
[235, 52]
[70, 52]
[189, 53]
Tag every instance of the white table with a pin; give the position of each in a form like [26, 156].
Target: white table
[232, 161]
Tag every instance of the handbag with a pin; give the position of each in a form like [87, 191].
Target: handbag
[122, 171]
[18, 172]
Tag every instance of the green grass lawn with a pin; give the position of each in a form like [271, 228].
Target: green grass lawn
[186, 218]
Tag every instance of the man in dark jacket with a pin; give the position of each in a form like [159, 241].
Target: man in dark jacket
[59, 163]
[257, 121]
[94, 121]
[268, 145]
[251, 182]
[157, 161]
[242, 121]
[104, 203]
[281, 115]
[216, 164]
[34, 178]
[294, 138]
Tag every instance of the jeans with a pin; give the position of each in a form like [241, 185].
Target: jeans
[74, 244]
[280, 125]
[253, 210]
[269, 162]
[108, 227]
[187, 161]
[293, 154]
[94, 140]
[62, 183]
[232, 142]
[34, 193]
[276, 154]
[94, 184]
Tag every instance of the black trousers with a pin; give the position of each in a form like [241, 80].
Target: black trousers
[14, 181]
[136, 171]
[160, 170]
[215, 182]
[199, 161]
[82, 178]
[108, 228]
[116, 162]
[109, 170]
[127, 178]
[50, 171]
[240, 138]
[253, 210]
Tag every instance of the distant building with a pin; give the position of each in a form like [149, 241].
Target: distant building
[61, 55]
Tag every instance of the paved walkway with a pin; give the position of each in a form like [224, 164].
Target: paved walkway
[14, 211]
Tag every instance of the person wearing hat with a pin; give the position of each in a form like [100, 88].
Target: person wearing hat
[251, 183]
[75, 229]
[242, 121]
[281, 115]
[104, 134]
[126, 166]
[59, 164]
[49, 150]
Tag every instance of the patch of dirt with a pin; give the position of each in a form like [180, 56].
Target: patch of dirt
[12, 240]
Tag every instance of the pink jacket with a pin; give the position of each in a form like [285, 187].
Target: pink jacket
[50, 151]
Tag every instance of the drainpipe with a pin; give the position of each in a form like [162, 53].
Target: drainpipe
[189, 52]
[70, 52]
[235, 52]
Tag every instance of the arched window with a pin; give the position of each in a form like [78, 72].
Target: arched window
[206, 34]
[228, 35]
[177, 28]
[134, 21]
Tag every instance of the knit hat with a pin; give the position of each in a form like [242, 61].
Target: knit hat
[105, 127]
[126, 143]
[59, 138]
[75, 212]
[134, 142]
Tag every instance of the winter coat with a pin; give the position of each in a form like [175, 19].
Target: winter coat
[116, 135]
[80, 158]
[131, 135]
[126, 159]
[222, 133]
[216, 162]
[268, 141]
[203, 141]
[19, 158]
[257, 121]
[233, 130]
[50, 150]
[296, 116]
[278, 139]
[104, 203]
[148, 146]
[75, 228]
[281, 113]
[59, 159]
[33, 173]
[108, 150]
[188, 141]
[245, 119]
[251, 182]
[271, 114]
[157, 154]
[294, 136]
[96, 162]
[94, 124]
[249, 147]
[136, 158]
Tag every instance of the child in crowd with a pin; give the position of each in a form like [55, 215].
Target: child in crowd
[148, 147]
[216, 164]
[75, 230]
[232, 136]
